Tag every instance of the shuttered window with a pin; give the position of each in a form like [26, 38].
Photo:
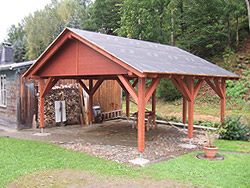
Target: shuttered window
[3, 92]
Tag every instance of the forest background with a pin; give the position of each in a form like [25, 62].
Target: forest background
[216, 30]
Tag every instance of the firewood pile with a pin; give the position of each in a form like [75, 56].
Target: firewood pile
[69, 93]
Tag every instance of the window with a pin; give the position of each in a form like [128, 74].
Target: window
[3, 92]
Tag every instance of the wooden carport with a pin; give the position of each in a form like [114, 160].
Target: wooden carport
[84, 55]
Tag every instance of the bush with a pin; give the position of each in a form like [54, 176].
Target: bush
[235, 130]
[167, 90]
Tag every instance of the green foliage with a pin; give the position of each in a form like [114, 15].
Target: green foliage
[235, 130]
[211, 131]
[237, 90]
[17, 37]
[169, 94]
[104, 15]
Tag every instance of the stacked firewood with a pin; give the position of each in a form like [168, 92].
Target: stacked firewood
[71, 96]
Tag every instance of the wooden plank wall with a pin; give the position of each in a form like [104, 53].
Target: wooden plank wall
[109, 94]
[8, 114]
[28, 102]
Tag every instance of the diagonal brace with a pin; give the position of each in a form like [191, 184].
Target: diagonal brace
[129, 87]
[152, 88]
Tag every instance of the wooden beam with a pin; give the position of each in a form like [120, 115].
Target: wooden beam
[154, 105]
[177, 85]
[127, 104]
[122, 86]
[218, 86]
[184, 90]
[129, 88]
[223, 100]
[45, 89]
[214, 87]
[141, 114]
[83, 86]
[152, 88]
[135, 82]
[197, 88]
[97, 85]
[42, 124]
[90, 101]
[184, 111]
[49, 84]
[191, 109]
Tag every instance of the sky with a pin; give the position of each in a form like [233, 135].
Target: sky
[13, 11]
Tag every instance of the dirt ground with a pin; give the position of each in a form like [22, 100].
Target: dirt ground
[114, 140]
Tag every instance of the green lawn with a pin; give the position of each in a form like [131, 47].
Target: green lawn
[235, 146]
[200, 108]
[20, 157]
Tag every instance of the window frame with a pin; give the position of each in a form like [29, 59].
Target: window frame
[3, 91]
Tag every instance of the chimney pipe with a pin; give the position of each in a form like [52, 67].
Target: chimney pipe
[7, 54]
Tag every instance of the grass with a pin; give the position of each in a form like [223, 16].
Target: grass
[234, 146]
[21, 157]
[200, 110]
[232, 172]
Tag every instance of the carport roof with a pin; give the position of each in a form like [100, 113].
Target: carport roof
[149, 57]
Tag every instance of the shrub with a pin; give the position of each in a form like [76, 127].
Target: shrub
[167, 90]
[235, 130]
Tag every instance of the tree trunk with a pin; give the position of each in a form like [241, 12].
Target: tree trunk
[248, 10]
[172, 30]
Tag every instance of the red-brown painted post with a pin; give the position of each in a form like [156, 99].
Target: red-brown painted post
[141, 114]
[42, 125]
[127, 104]
[191, 109]
[154, 101]
[90, 101]
[154, 104]
[184, 111]
[223, 100]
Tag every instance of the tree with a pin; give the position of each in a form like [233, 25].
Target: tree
[104, 15]
[17, 37]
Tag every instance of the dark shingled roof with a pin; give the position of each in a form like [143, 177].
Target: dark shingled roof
[149, 57]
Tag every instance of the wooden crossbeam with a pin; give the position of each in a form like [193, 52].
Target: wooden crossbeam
[49, 84]
[135, 82]
[197, 88]
[214, 87]
[129, 87]
[83, 86]
[97, 85]
[218, 86]
[152, 88]
[181, 85]
[122, 86]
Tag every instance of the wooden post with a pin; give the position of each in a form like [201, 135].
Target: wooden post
[127, 103]
[223, 99]
[141, 114]
[191, 109]
[184, 111]
[90, 101]
[42, 124]
[154, 106]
